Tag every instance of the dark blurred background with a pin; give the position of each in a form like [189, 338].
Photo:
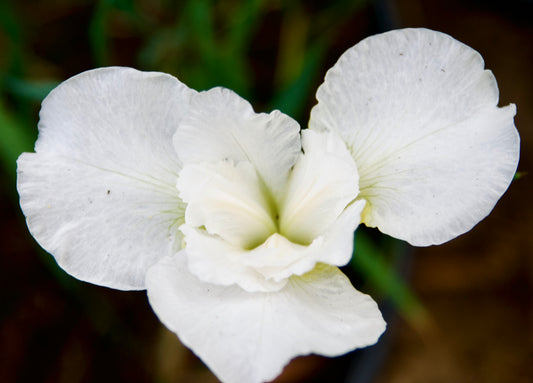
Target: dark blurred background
[468, 312]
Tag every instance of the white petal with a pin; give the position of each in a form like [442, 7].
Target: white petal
[99, 193]
[223, 126]
[419, 115]
[228, 200]
[323, 182]
[249, 337]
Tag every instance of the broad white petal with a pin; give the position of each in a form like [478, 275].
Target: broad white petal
[228, 200]
[249, 337]
[419, 115]
[323, 182]
[222, 126]
[99, 193]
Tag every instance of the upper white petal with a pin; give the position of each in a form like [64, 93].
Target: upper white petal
[249, 337]
[99, 193]
[419, 115]
[222, 126]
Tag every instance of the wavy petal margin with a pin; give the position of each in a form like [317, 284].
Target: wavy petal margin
[96, 194]
[250, 337]
[419, 114]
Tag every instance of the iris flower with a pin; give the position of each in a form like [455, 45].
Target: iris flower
[236, 222]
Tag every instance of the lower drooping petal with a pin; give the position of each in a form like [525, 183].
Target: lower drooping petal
[250, 337]
[419, 114]
[99, 193]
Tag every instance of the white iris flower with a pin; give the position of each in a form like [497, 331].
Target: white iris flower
[235, 222]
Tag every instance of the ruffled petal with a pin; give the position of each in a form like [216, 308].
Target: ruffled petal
[419, 114]
[99, 193]
[323, 182]
[223, 126]
[249, 337]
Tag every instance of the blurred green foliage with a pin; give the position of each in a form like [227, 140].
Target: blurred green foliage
[205, 43]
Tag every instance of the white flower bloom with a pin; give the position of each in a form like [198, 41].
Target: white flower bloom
[125, 158]
[235, 222]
